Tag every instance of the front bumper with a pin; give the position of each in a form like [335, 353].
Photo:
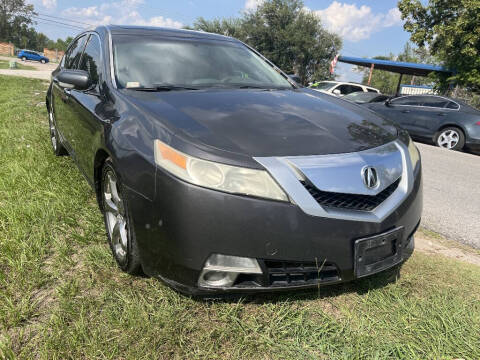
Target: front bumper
[184, 224]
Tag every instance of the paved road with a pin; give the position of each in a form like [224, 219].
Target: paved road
[451, 189]
[42, 71]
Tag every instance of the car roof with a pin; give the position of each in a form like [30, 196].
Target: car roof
[162, 31]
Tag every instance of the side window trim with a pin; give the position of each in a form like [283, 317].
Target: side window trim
[74, 41]
[429, 107]
[90, 35]
[75, 67]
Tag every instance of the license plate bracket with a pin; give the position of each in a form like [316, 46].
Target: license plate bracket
[379, 252]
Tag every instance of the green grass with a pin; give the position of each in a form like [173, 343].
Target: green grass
[62, 296]
[5, 65]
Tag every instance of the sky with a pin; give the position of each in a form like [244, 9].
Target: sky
[367, 27]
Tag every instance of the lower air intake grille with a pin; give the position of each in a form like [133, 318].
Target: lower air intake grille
[350, 201]
[282, 273]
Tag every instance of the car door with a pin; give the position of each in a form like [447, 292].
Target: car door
[87, 106]
[401, 110]
[61, 95]
[430, 115]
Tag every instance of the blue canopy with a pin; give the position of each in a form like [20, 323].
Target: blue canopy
[400, 67]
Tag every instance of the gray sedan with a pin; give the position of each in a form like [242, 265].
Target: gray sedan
[449, 123]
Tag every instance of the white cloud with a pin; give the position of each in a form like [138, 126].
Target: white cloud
[88, 12]
[252, 4]
[123, 12]
[393, 17]
[49, 4]
[160, 21]
[356, 23]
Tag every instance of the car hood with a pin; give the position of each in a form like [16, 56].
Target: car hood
[266, 122]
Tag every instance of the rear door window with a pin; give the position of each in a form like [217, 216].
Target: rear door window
[452, 105]
[436, 102]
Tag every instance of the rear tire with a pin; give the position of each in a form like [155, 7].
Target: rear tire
[118, 223]
[24, 58]
[451, 138]
[58, 148]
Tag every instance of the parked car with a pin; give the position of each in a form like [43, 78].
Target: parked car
[446, 122]
[32, 55]
[217, 174]
[366, 97]
[339, 88]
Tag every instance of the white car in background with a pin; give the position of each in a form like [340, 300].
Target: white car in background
[339, 88]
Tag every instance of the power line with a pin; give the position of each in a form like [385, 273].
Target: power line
[64, 19]
[60, 23]
[57, 25]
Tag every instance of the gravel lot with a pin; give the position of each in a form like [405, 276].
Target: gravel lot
[451, 188]
[42, 71]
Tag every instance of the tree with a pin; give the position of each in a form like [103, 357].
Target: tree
[15, 16]
[451, 30]
[286, 33]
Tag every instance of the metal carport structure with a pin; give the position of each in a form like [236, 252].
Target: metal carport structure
[400, 67]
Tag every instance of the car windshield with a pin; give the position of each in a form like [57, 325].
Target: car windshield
[360, 97]
[322, 85]
[159, 62]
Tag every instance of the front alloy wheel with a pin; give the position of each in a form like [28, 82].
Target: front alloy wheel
[117, 222]
[451, 138]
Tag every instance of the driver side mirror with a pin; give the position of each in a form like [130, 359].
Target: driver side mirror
[75, 79]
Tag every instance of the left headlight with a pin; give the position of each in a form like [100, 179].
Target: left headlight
[209, 174]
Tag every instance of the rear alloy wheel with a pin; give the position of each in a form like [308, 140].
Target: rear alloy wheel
[57, 146]
[451, 138]
[117, 222]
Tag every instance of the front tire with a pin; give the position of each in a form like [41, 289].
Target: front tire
[42, 61]
[118, 224]
[57, 145]
[451, 138]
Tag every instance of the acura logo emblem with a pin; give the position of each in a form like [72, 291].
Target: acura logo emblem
[370, 177]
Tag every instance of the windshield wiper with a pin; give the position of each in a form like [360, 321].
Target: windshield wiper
[253, 87]
[264, 87]
[162, 87]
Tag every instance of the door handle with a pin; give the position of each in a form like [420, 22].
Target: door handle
[405, 111]
[67, 91]
[442, 114]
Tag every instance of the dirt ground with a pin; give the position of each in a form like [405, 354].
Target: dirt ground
[432, 243]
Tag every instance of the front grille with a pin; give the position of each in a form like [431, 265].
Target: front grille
[350, 201]
[283, 273]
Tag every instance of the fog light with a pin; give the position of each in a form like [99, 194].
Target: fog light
[222, 270]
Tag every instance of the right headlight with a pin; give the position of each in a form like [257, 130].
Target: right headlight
[414, 154]
[209, 174]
